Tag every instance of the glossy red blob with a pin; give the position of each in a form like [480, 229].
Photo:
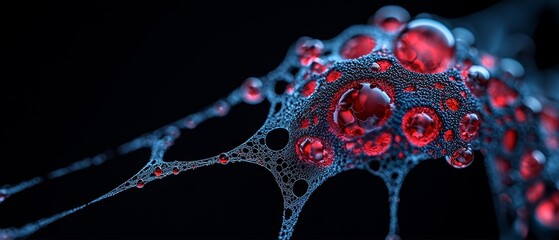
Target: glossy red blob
[547, 212]
[500, 94]
[488, 61]
[318, 67]
[158, 172]
[315, 151]
[333, 75]
[252, 91]
[391, 18]
[176, 170]
[383, 65]
[308, 50]
[305, 123]
[535, 192]
[448, 135]
[461, 158]
[531, 164]
[140, 184]
[289, 88]
[509, 140]
[469, 127]
[309, 88]
[223, 158]
[379, 145]
[520, 114]
[357, 46]
[362, 109]
[453, 104]
[421, 125]
[426, 46]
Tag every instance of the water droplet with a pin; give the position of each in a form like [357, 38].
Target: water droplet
[223, 158]
[547, 211]
[464, 35]
[333, 75]
[318, 67]
[421, 125]
[362, 109]
[509, 140]
[512, 67]
[140, 184]
[221, 108]
[461, 158]
[158, 172]
[500, 94]
[391, 18]
[252, 91]
[313, 150]
[357, 46]
[425, 46]
[176, 170]
[379, 145]
[469, 127]
[477, 79]
[308, 50]
[289, 89]
[531, 164]
[308, 89]
[453, 104]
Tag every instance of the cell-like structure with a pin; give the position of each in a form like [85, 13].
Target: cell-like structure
[381, 97]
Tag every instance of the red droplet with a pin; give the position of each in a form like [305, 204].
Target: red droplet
[383, 65]
[362, 109]
[531, 164]
[309, 88]
[176, 170]
[535, 192]
[453, 104]
[308, 50]
[305, 123]
[357, 46]
[223, 158]
[313, 150]
[333, 75]
[509, 140]
[410, 88]
[461, 158]
[289, 88]
[379, 145]
[158, 172]
[500, 94]
[469, 127]
[520, 114]
[140, 184]
[448, 135]
[391, 18]
[426, 46]
[317, 67]
[252, 90]
[439, 85]
[547, 212]
[421, 125]
[488, 61]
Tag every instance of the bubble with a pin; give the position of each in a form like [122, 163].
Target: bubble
[391, 18]
[531, 164]
[252, 91]
[461, 158]
[223, 158]
[308, 50]
[421, 126]
[469, 127]
[425, 46]
[362, 109]
[314, 151]
[357, 46]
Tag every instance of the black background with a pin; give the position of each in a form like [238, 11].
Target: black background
[92, 75]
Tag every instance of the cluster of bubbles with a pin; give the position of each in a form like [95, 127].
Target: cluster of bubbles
[380, 97]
